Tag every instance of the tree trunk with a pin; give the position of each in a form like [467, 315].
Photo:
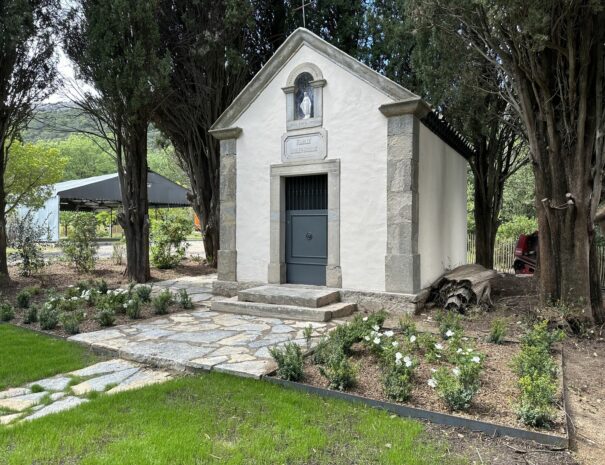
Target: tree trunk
[135, 217]
[4, 276]
[486, 226]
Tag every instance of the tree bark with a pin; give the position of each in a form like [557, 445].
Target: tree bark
[134, 218]
[4, 276]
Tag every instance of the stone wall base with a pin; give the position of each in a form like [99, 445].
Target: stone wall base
[367, 301]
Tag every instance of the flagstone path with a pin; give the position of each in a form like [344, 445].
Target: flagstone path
[205, 340]
[199, 339]
[66, 391]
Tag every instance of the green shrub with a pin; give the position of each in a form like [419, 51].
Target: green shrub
[113, 300]
[537, 373]
[80, 247]
[541, 336]
[7, 312]
[457, 386]
[117, 253]
[144, 293]
[169, 240]
[407, 326]
[534, 361]
[49, 317]
[133, 307]
[25, 235]
[31, 315]
[184, 300]
[535, 407]
[338, 371]
[398, 373]
[289, 359]
[450, 323]
[33, 290]
[24, 299]
[106, 317]
[161, 302]
[71, 321]
[102, 286]
[308, 334]
[497, 331]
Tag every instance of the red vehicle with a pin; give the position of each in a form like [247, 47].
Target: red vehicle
[526, 254]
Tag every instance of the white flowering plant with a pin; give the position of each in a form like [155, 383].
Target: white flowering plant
[450, 324]
[398, 375]
[458, 385]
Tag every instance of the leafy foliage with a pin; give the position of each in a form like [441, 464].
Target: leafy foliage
[144, 292]
[24, 298]
[25, 235]
[497, 331]
[289, 359]
[49, 317]
[71, 321]
[7, 312]
[338, 370]
[169, 240]
[80, 247]
[161, 302]
[106, 317]
[31, 314]
[184, 300]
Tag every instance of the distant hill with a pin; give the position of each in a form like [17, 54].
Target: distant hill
[60, 125]
[57, 121]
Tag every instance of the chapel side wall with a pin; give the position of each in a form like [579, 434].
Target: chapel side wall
[356, 133]
[442, 204]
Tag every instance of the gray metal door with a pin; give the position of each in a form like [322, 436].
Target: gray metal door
[306, 230]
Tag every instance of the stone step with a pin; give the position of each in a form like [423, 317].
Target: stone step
[293, 312]
[299, 296]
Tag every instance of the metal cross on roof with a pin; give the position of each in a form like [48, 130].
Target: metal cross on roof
[303, 10]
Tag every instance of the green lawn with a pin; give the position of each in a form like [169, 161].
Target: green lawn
[27, 356]
[217, 418]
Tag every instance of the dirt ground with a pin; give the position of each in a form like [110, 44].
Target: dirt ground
[515, 299]
[58, 276]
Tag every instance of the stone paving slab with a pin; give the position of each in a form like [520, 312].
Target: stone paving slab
[111, 376]
[202, 339]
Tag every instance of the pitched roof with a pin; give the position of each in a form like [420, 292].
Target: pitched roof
[300, 37]
[291, 45]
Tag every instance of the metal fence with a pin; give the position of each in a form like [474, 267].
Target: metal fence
[504, 256]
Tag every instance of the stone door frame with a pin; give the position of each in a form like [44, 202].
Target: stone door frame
[277, 253]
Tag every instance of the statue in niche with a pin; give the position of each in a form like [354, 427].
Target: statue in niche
[305, 106]
[303, 96]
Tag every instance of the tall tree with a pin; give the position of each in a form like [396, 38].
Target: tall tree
[116, 47]
[27, 75]
[468, 92]
[552, 53]
[205, 41]
[455, 79]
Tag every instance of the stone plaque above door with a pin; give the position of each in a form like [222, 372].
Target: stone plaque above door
[307, 146]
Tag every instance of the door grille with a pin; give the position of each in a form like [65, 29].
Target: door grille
[307, 192]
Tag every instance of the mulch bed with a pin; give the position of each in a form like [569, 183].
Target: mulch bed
[59, 276]
[494, 401]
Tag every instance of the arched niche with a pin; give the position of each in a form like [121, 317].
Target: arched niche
[304, 97]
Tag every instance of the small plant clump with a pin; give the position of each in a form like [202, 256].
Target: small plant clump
[184, 300]
[161, 302]
[24, 299]
[106, 317]
[7, 312]
[289, 359]
[144, 293]
[497, 331]
[31, 315]
[71, 321]
[450, 323]
[49, 317]
[133, 307]
[308, 334]
[339, 371]
[398, 375]
[537, 376]
[80, 247]
[457, 386]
